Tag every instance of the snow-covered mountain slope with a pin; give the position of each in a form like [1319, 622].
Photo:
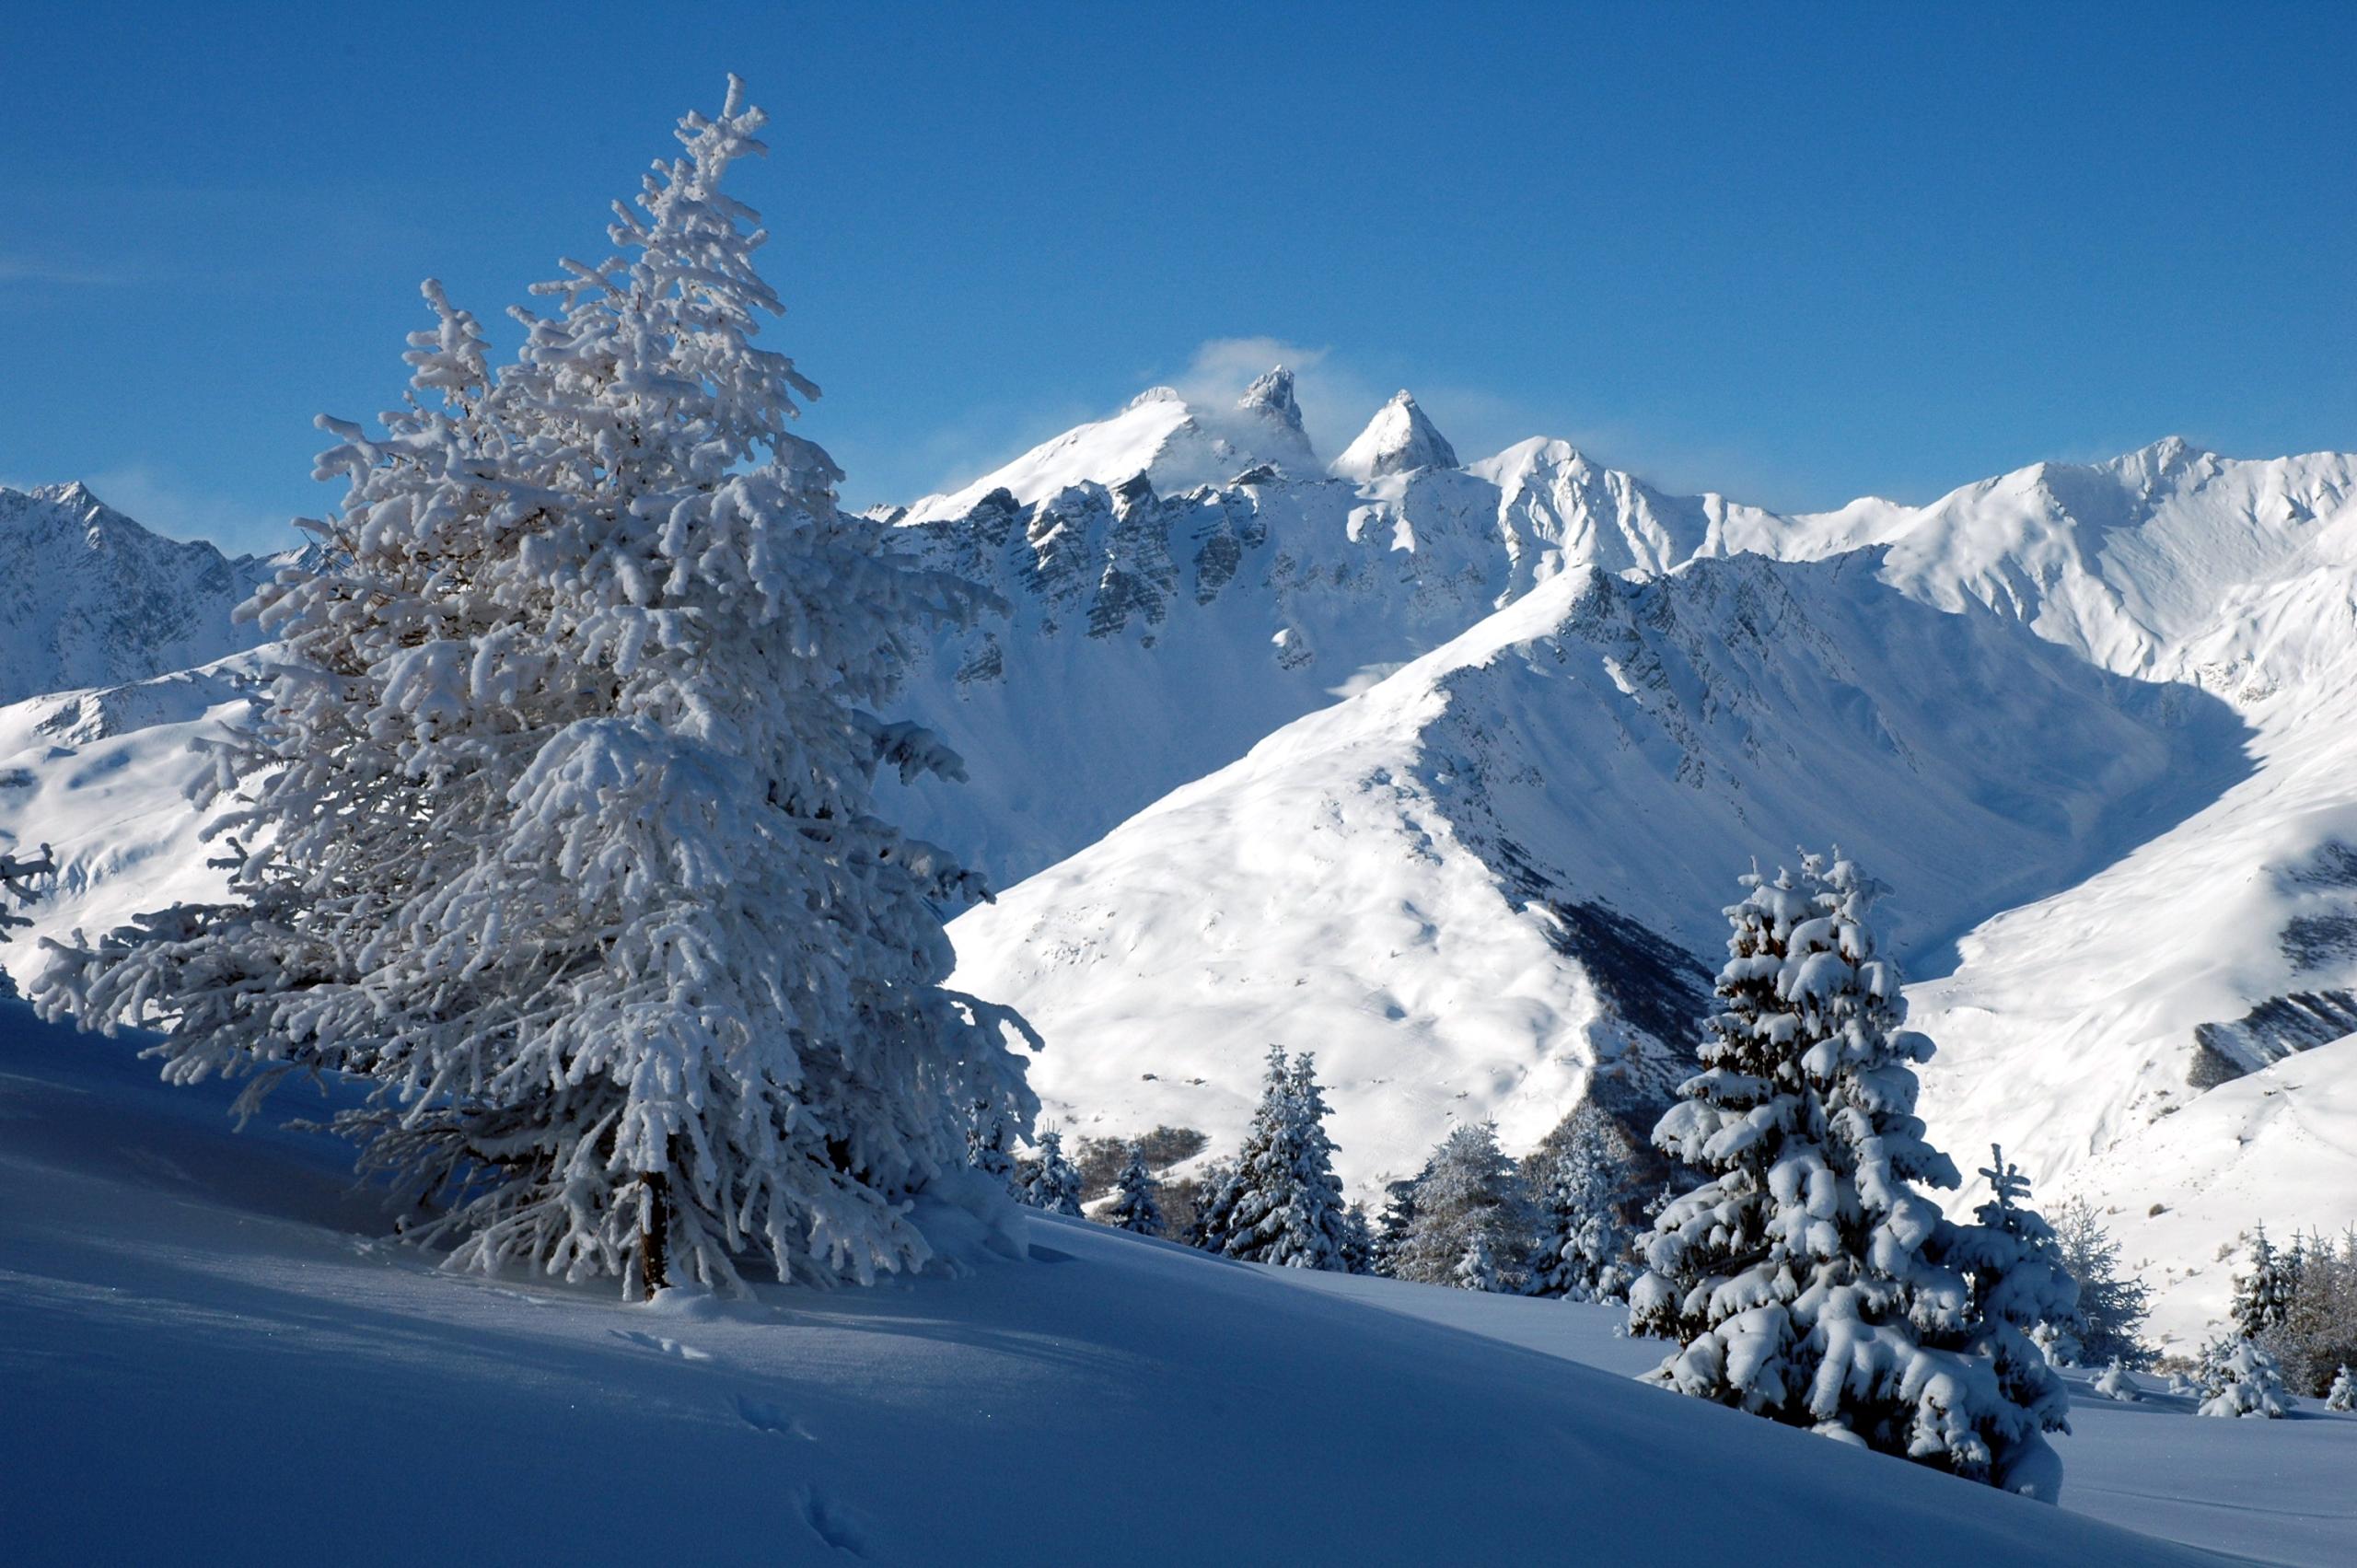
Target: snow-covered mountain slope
[88, 597]
[1153, 633]
[1493, 879]
[102, 777]
[184, 1306]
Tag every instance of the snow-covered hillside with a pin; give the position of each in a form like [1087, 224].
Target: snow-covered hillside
[1529, 892]
[1076, 1396]
[88, 597]
[102, 777]
[1496, 877]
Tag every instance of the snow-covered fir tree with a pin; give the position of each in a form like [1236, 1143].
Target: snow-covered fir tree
[1390, 1229]
[1049, 1181]
[1470, 1192]
[555, 820]
[1806, 1279]
[1136, 1205]
[1282, 1204]
[2238, 1378]
[2342, 1395]
[2112, 1305]
[1580, 1244]
[2262, 1294]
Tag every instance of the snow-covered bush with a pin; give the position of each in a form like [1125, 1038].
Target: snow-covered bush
[2112, 1305]
[554, 823]
[1281, 1203]
[1806, 1279]
[1469, 1192]
[2239, 1378]
[17, 879]
[1137, 1198]
[1047, 1179]
[1580, 1244]
[2342, 1395]
[2115, 1383]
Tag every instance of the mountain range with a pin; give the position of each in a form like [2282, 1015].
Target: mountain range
[1445, 771]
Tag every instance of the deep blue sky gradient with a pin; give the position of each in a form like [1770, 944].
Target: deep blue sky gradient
[1795, 253]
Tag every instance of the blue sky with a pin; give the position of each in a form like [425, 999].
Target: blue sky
[1795, 253]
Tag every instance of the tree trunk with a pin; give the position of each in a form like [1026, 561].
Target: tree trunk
[653, 1235]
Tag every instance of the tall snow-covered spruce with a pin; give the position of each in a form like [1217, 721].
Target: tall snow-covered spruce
[1806, 1279]
[556, 825]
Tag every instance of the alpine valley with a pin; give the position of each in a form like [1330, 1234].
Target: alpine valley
[1445, 770]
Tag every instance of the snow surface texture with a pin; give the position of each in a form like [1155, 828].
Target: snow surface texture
[231, 1288]
[1493, 880]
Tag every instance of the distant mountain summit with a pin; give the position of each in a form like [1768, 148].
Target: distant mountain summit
[88, 597]
[1398, 439]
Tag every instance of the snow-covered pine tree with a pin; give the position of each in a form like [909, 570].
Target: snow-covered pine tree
[1051, 1182]
[1470, 1192]
[2239, 1378]
[1391, 1227]
[1805, 1278]
[1580, 1244]
[1282, 1204]
[557, 822]
[1137, 1197]
[2342, 1395]
[2112, 1305]
[2263, 1295]
[17, 879]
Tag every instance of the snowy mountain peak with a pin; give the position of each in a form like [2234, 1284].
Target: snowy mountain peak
[97, 600]
[1397, 439]
[1271, 397]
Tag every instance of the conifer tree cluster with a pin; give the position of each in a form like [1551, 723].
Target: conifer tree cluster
[1808, 1278]
[1280, 1202]
[2300, 1305]
[554, 826]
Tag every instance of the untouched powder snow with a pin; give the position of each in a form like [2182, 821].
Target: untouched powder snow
[209, 1352]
